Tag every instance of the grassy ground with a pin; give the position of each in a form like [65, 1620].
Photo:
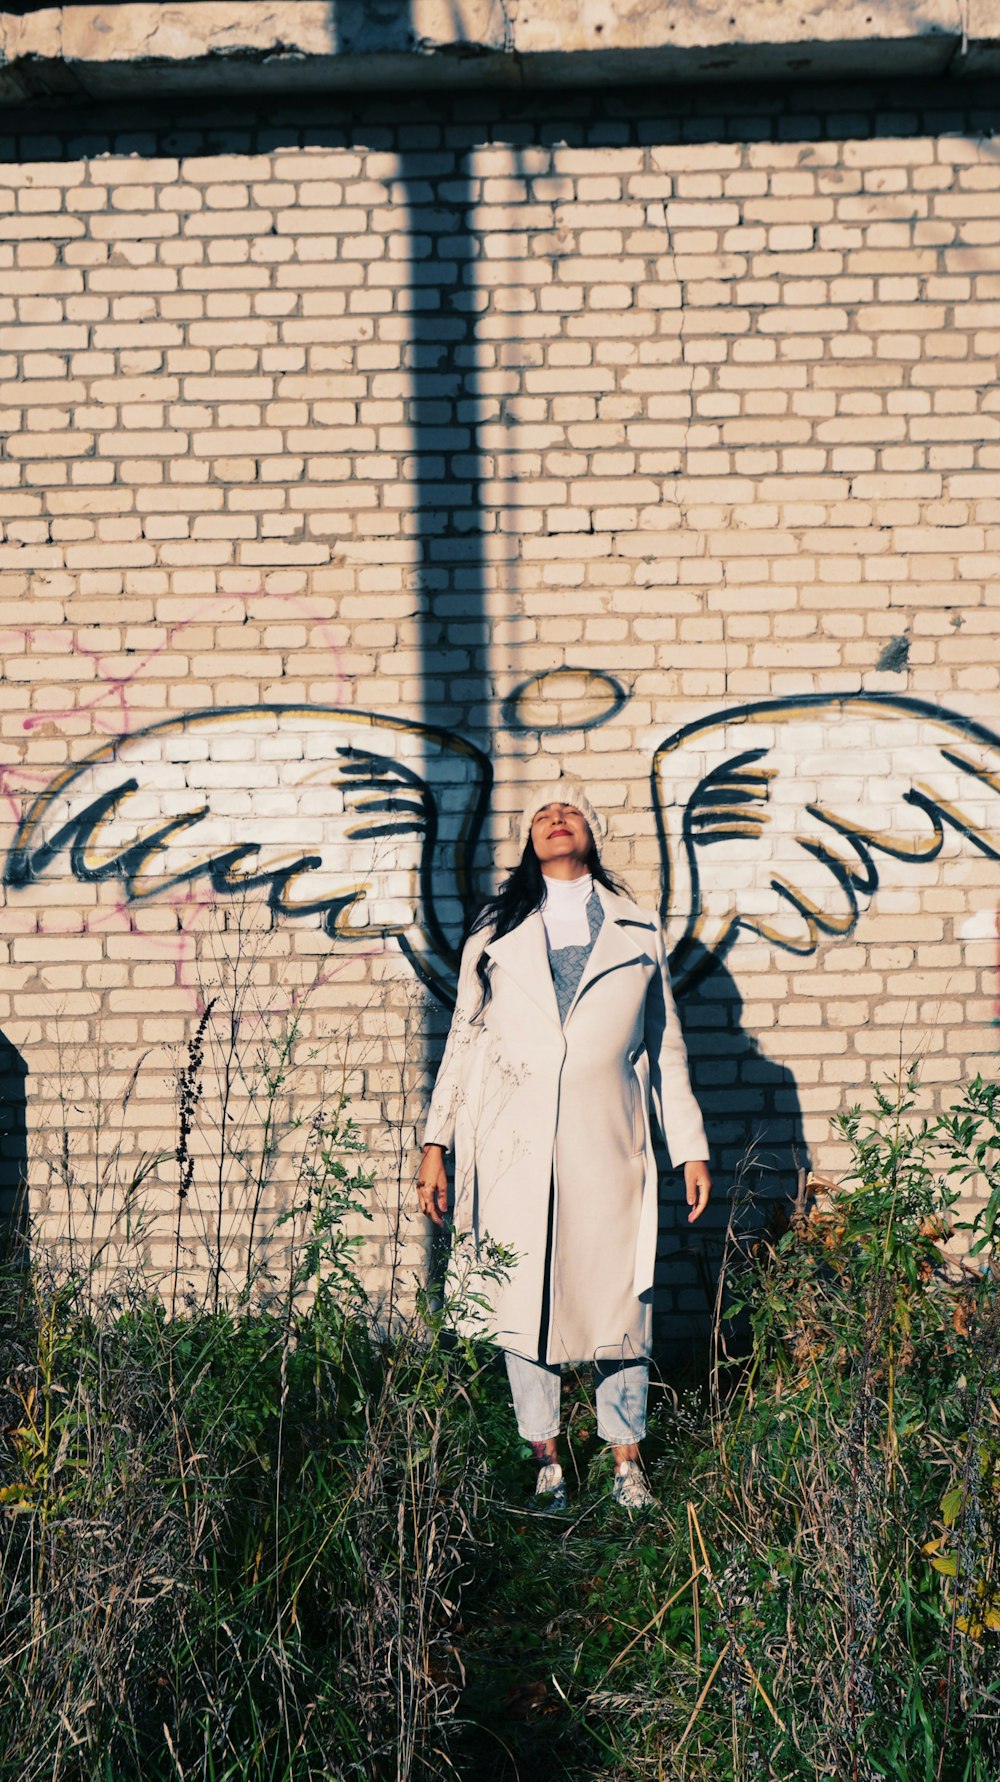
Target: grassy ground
[713, 1637]
[557, 1601]
[271, 1542]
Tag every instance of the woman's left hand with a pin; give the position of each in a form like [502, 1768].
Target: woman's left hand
[698, 1188]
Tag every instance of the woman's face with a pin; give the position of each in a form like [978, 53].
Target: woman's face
[560, 832]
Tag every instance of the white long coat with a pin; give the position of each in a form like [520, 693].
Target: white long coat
[528, 1104]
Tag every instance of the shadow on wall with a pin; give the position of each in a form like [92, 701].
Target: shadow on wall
[13, 1151]
[442, 402]
[444, 411]
[443, 531]
[447, 517]
[754, 1122]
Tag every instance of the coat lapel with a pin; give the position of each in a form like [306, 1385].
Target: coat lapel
[524, 954]
[626, 935]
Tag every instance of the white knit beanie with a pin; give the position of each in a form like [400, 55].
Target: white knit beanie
[560, 792]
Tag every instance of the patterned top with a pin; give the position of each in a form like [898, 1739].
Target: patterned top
[569, 963]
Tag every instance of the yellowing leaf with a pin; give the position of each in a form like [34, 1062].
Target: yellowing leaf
[951, 1504]
[9, 1494]
[947, 1565]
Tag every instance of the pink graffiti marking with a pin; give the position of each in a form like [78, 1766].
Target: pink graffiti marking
[112, 708]
[114, 688]
[18, 780]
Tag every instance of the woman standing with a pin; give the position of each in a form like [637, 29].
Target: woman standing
[564, 1028]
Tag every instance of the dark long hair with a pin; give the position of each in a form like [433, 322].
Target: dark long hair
[518, 898]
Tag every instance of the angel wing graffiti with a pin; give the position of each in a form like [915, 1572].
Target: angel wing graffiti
[368, 822]
[779, 819]
[782, 818]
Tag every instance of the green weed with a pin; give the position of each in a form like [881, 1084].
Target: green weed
[276, 1534]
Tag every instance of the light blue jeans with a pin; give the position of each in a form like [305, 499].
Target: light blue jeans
[620, 1391]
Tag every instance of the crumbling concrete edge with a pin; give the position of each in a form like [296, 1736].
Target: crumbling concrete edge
[245, 47]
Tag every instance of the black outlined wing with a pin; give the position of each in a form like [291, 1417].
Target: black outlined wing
[784, 818]
[366, 823]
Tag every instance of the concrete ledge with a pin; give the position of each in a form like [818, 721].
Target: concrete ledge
[258, 46]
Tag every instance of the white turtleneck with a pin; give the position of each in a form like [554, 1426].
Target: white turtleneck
[564, 911]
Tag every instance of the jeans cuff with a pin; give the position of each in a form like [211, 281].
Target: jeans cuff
[545, 1435]
[638, 1434]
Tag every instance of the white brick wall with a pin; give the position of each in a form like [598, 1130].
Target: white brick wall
[697, 401]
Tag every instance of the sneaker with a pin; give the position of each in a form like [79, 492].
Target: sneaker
[551, 1487]
[630, 1489]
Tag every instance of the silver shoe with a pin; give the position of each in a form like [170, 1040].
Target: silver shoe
[630, 1489]
[551, 1486]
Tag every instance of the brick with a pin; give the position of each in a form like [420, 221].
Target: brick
[708, 417]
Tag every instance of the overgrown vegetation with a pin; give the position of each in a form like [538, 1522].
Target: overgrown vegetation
[278, 1535]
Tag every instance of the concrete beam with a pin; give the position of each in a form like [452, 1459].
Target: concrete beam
[234, 47]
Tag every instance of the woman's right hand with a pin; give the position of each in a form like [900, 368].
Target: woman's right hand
[432, 1184]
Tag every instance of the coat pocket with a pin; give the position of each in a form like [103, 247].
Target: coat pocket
[638, 1115]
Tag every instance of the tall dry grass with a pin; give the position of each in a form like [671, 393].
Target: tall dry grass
[255, 1525]
[236, 1494]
